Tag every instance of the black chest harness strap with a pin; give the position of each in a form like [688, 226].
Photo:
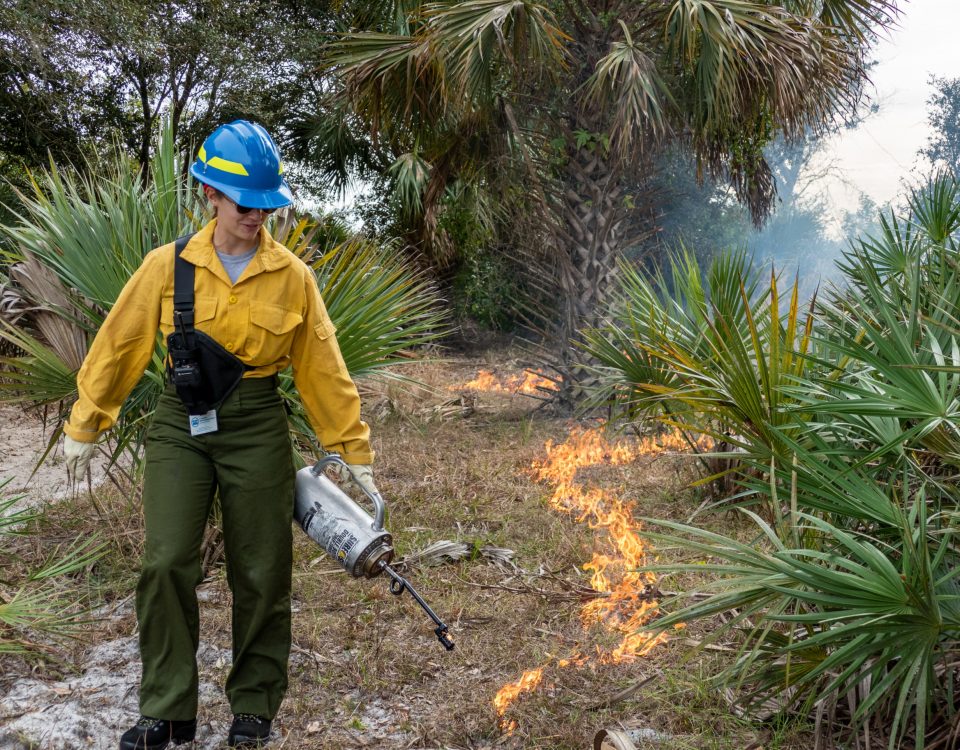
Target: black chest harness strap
[202, 371]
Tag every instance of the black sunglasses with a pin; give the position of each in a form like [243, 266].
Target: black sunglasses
[248, 209]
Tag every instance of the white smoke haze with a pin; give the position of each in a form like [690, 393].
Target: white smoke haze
[881, 156]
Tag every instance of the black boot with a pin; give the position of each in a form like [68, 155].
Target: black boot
[249, 730]
[154, 734]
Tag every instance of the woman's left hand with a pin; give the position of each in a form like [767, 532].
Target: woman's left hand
[358, 474]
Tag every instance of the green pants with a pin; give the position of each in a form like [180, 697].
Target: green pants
[249, 461]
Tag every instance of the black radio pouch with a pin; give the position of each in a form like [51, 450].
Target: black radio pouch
[202, 371]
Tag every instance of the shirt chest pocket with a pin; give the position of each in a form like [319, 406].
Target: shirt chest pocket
[204, 310]
[270, 334]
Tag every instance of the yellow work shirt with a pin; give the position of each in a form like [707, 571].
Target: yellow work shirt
[271, 318]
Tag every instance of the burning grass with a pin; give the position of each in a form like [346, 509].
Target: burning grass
[548, 646]
[530, 383]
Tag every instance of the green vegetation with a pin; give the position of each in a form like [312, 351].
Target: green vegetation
[846, 419]
[449, 472]
[573, 105]
[77, 78]
[943, 117]
[39, 603]
[532, 160]
[537, 127]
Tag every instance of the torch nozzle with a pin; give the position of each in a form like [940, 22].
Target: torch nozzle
[397, 586]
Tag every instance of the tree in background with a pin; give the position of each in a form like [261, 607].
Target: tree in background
[573, 100]
[943, 116]
[74, 77]
[493, 128]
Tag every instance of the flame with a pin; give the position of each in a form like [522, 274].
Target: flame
[528, 682]
[627, 606]
[627, 603]
[531, 382]
[485, 381]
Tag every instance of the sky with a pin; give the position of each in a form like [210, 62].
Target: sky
[880, 154]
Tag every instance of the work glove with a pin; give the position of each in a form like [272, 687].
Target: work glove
[78, 457]
[358, 474]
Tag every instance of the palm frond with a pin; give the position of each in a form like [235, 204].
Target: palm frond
[480, 37]
[628, 78]
[39, 376]
[381, 306]
[390, 80]
[410, 174]
[713, 355]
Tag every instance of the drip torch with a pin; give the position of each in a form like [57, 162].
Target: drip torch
[347, 533]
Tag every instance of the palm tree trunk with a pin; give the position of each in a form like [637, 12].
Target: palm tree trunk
[593, 230]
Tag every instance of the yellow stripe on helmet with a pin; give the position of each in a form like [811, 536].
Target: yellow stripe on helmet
[233, 167]
[280, 171]
[224, 165]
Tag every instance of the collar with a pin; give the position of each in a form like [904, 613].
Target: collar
[271, 255]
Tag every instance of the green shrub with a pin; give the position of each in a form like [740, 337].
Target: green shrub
[849, 426]
[486, 290]
[37, 604]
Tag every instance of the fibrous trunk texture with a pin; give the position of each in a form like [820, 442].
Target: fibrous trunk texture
[593, 224]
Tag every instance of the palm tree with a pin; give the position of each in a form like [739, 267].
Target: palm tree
[572, 98]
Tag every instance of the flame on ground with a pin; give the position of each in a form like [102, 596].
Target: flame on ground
[508, 693]
[627, 603]
[530, 383]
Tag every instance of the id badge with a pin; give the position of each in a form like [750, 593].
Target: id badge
[201, 424]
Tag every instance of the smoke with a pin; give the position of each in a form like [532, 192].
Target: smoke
[802, 238]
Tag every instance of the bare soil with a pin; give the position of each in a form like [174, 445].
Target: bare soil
[24, 436]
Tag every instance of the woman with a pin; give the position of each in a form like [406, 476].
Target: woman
[256, 308]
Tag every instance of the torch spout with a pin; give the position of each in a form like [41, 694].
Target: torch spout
[397, 585]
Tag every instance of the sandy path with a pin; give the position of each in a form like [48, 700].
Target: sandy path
[23, 439]
[22, 442]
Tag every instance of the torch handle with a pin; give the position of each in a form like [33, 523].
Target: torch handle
[379, 504]
[397, 585]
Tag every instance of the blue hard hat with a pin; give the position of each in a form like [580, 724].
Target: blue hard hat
[242, 162]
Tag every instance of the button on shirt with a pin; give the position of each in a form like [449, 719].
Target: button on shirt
[272, 317]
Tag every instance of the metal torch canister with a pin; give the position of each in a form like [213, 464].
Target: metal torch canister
[333, 520]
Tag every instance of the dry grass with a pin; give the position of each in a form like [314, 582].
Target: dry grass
[366, 670]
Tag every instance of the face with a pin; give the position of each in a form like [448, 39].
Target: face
[234, 226]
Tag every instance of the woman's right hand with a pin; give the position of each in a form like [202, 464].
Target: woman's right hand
[78, 457]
